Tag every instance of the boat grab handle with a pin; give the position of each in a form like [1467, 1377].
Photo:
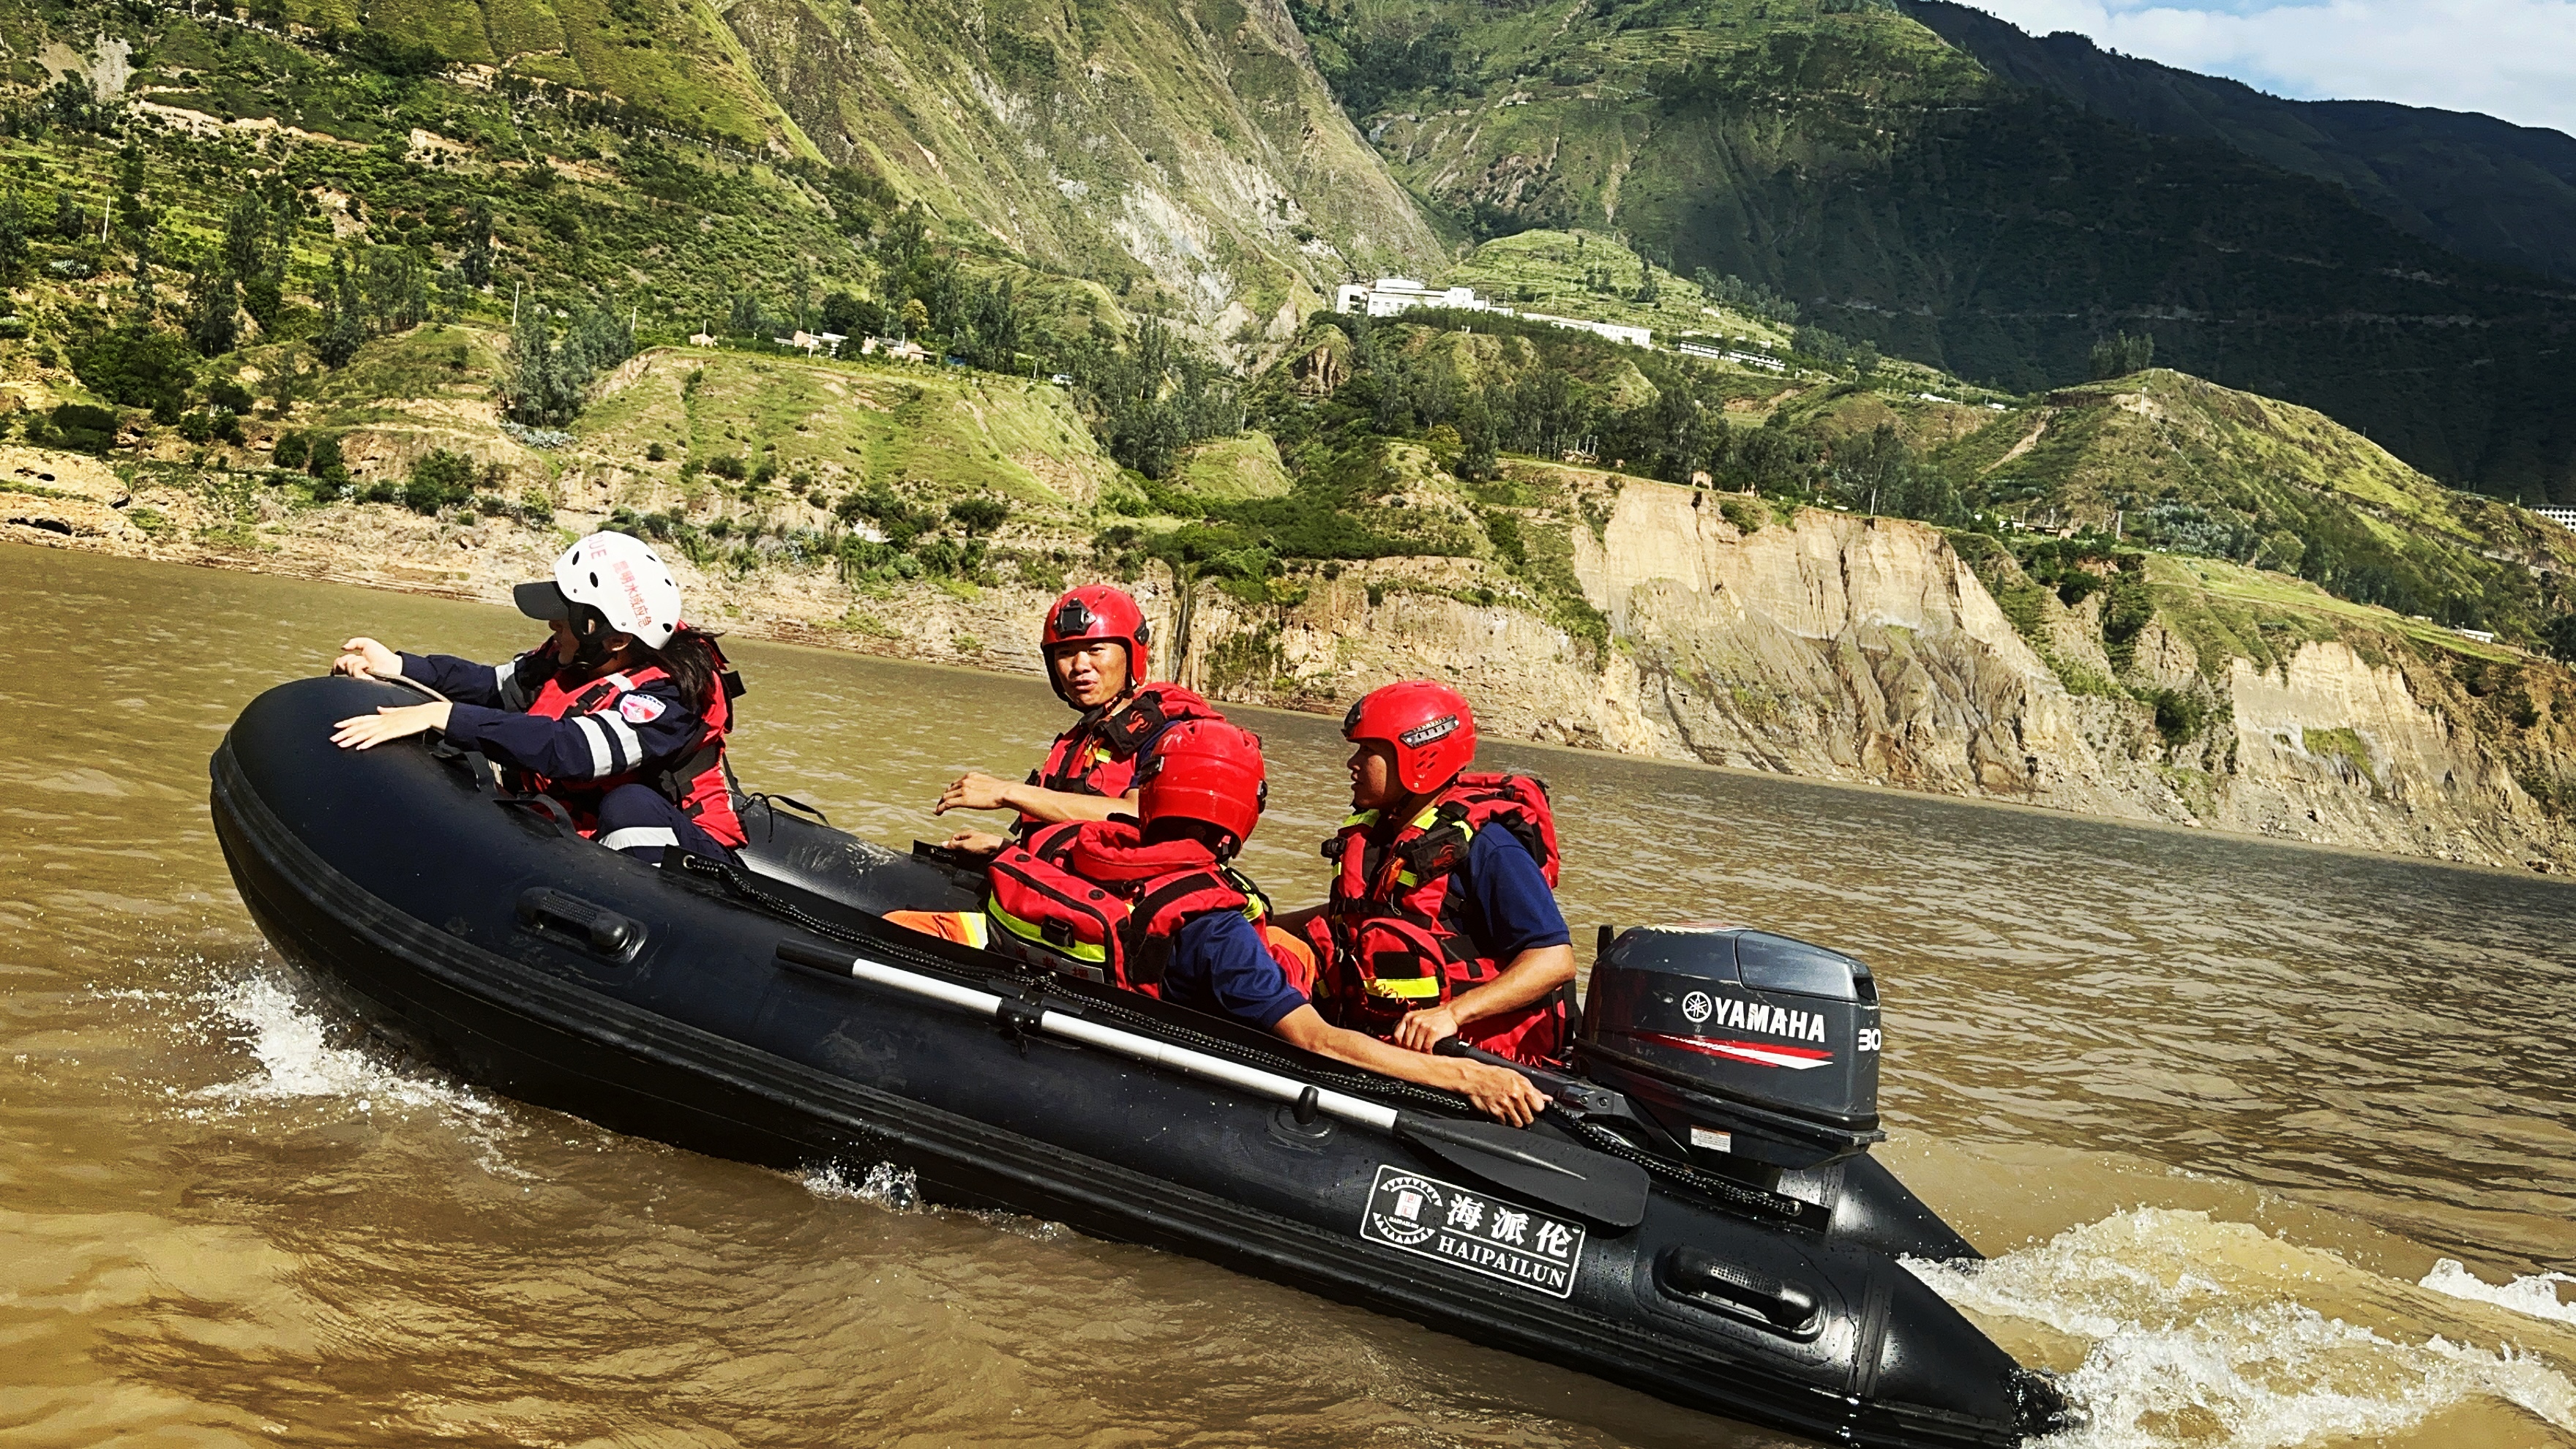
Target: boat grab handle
[610, 934]
[1692, 1274]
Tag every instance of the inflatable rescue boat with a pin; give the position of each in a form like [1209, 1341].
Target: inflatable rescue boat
[1697, 1216]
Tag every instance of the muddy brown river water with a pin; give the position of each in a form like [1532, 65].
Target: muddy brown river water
[2270, 1146]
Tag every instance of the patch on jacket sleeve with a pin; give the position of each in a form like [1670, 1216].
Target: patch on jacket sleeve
[641, 708]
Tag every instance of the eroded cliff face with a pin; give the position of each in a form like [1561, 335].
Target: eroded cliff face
[1827, 646]
[1857, 649]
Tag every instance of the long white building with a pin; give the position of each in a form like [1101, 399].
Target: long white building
[2563, 517]
[1393, 296]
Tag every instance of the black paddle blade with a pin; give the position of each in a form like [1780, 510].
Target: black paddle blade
[1575, 1180]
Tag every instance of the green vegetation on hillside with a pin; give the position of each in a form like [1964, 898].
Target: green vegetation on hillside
[1847, 158]
[2171, 462]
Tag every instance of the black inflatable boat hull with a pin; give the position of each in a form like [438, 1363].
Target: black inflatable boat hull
[456, 922]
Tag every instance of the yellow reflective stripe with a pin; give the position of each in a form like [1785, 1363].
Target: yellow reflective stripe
[1035, 935]
[1427, 987]
[1365, 817]
[979, 932]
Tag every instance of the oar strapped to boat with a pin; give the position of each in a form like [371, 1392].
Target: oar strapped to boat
[1572, 1179]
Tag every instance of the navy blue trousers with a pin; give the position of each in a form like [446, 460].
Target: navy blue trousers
[640, 821]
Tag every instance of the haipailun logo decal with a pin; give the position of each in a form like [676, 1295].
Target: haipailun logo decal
[1473, 1230]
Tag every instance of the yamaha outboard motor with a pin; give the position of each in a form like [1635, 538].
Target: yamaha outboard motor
[1756, 1056]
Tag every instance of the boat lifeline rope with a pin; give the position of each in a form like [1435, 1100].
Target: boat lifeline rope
[411, 684]
[1719, 1191]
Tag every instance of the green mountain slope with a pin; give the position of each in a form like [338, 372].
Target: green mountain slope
[1182, 152]
[2169, 461]
[1185, 156]
[1902, 194]
[2481, 187]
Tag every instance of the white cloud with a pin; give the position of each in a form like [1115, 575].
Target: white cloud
[2510, 58]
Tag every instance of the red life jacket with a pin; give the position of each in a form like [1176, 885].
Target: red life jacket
[1384, 944]
[701, 783]
[1092, 899]
[1098, 755]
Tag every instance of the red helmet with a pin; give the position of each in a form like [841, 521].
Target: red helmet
[1096, 611]
[1205, 770]
[1426, 723]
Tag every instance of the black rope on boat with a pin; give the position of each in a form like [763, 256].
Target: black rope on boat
[1725, 1192]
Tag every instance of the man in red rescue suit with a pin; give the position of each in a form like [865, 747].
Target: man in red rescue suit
[1096, 643]
[1442, 919]
[1153, 901]
[619, 718]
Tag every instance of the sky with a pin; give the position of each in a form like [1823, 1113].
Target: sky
[2510, 58]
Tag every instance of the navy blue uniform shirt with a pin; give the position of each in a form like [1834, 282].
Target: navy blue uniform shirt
[1219, 965]
[1500, 901]
[649, 726]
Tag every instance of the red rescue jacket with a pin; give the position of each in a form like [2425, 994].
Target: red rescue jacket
[701, 783]
[1092, 899]
[1098, 755]
[1384, 945]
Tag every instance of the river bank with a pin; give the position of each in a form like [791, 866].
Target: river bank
[1817, 644]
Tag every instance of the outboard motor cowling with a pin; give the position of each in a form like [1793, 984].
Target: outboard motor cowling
[1746, 1047]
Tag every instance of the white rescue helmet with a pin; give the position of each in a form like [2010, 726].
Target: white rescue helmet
[620, 576]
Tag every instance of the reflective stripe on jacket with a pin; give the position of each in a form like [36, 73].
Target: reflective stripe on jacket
[699, 782]
[1091, 899]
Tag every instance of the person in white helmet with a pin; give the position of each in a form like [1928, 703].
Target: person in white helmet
[620, 717]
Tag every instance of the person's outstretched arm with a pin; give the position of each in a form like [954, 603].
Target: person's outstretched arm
[1504, 1095]
[493, 686]
[979, 791]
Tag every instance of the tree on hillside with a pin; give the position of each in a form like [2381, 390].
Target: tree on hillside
[213, 321]
[2559, 637]
[254, 254]
[2121, 354]
[548, 376]
[13, 238]
[396, 284]
[344, 316]
[1155, 397]
[137, 365]
[475, 264]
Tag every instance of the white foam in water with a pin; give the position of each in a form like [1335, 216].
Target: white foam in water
[2536, 1295]
[2196, 1339]
[883, 1184]
[297, 1061]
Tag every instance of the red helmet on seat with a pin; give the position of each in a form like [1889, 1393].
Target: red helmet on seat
[1205, 770]
[1426, 723]
[1095, 612]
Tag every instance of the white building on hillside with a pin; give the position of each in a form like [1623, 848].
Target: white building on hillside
[1391, 296]
[1633, 336]
[2564, 517]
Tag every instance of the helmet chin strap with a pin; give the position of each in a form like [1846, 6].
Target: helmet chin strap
[590, 649]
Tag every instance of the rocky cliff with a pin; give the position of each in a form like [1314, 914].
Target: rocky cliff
[1824, 645]
[1839, 647]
